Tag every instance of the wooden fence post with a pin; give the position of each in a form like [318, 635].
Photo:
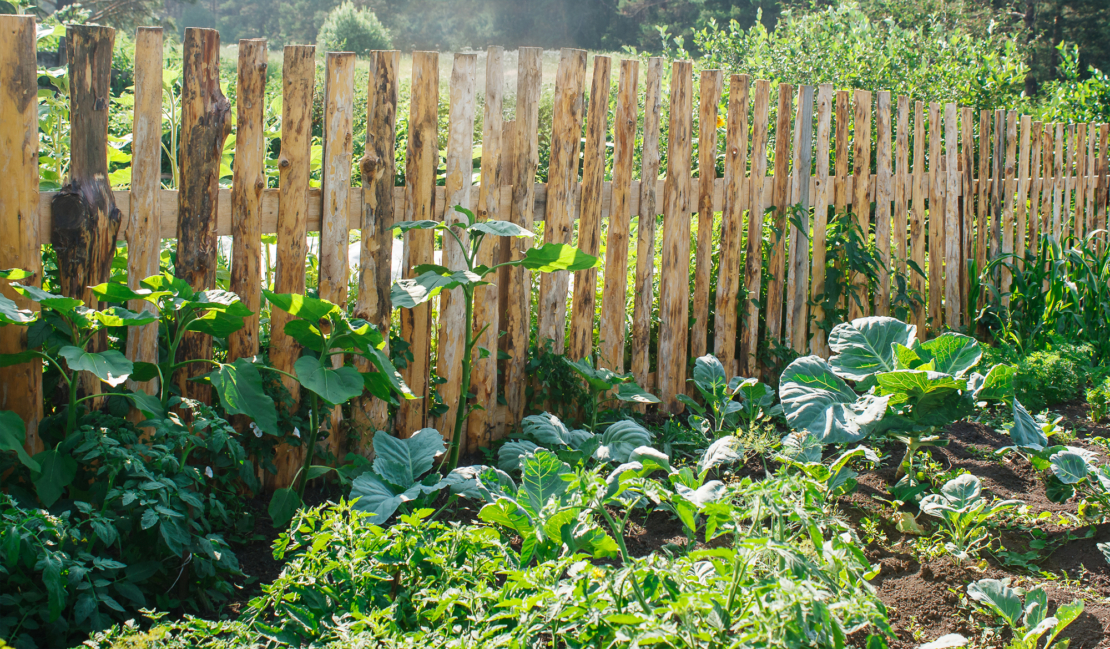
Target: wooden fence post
[247, 182]
[20, 243]
[859, 304]
[797, 322]
[335, 191]
[967, 207]
[953, 242]
[562, 176]
[917, 220]
[732, 223]
[459, 180]
[1036, 187]
[821, 200]
[643, 292]
[589, 220]
[421, 160]
[883, 191]
[376, 250]
[86, 220]
[614, 294]
[753, 262]
[1022, 224]
[144, 236]
[298, 84]
[483, 381]
[1008, 188]
[674, 280]
[902, 187]
[709, 88]
[936, 220]
[780, 201]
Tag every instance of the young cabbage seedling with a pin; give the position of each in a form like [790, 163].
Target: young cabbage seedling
[432, 278]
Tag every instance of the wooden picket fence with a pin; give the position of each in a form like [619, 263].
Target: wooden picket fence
[948, 186]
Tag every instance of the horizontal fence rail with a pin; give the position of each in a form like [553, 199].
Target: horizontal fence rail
[933, 186]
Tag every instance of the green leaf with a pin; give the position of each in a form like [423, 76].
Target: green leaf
[220, 300]
[950, 353]
[510, 454]
[336, 386]
[10, 313]
[149, 405]
[142, 371]
[863, 346]
[377, 497]
[997, 385]
[999, 597]
[635, 394]
[500, 229]
[548, 429]
[405, 226]
[1069, 466]
[56, 471]
[709, 376]
[283, 506]
[15, 274]
[551, 257]
[541, 479]
[302, 306]
[56, 302]
[217, 324]
[507, 513]
[907, 359]
[120, 317]
[378, 385]
[239, 386]
[306, 334]
[407, 293]
[120, 293]
[1026, 432]
[109, 366]
[380, 359]
[1065, 615]
[402, 462]
[816, 400]
[599, 379]
[620, 439]
[726, 450]
[13, 434]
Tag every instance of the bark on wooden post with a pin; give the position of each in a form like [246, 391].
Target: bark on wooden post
[144, 231]
[86, 219]
[20, 385]
[205, 124]
[248, 181]
[732, 223]
[645, 224]
[708, 107]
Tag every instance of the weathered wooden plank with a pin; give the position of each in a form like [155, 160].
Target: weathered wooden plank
[753, 262]
[525, 158]
[248, 180]
[728, 277]
[797, 324]
[821, 200]
[982, 228]
[562, 175]
[1058, 184]
[1048, 201]
[298, 84]
[780, 201]
[589, 223]
[936, 219]
[953, 312]
[645, 223]
[1021, 224]
[1103, 171]
[1036, 184]
[1090, 179]
[883, 196]
[501, 421]
[1009, 177]
[421, 159]
[613, 298]
[1079, 180]
[378, 170]
[998, 187]
[674, 279]
[902, 185]
[967, 206]
[917, 220]
[20, 242]
[335, 189]
[143, 242]
[483, 377]
[841, 195]
[861, 204]
[452, 306]
[709, 87]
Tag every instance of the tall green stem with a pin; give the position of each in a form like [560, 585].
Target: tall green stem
[461, 412]
[314, 423]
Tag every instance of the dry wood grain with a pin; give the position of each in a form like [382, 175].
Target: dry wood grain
[645, 223]
[1035, 187]
[615, 290]
[797, 322]
[780, 202]
[953, 313]
[1103, 176]
[936, 219]
[1009, 177]
[753, 262]
[1059, 180]
[917, 219]
[967, 201]
[821, 200]
[841, 196]
[902, 185]
[589, 222]
[1021, 223]
[709, 87]
[982, 228]
[861, 203]
[883, 195]
[674, 280]
[732, 220]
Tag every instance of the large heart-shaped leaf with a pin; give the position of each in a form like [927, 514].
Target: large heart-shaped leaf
[962, 491]
[402, 462]
[620, 439]
[121, 293]
[375, 496]
[10, 313]
[709, 376]
[951, 353]
[1069, 466]
[283, 506]
[56, 302]
[336, 386]
[303, 306]
[405, 226]
[551, 257]
[500, 229]
[239, 386]
[1002, 599]
[56, 471]
[726, 450]
[816, 400]
[997, 385]
[13, 434]
[541, 479]
[599, 379]
[380, 359]
[218, 324]
[862, 347]
[548, 429]
[109, 366]
[120, 317]
[306, 334]
[509, 455]
[506, 512]
[407, 293]
[635, 394]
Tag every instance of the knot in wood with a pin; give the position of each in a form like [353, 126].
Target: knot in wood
[284, 163]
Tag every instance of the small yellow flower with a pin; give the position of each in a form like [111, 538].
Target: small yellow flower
[720, 122]
[597, 573]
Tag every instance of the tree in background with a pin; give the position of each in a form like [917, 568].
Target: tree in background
[349, 29]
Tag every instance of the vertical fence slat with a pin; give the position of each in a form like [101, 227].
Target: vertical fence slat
[298, 84]
[1090, 171]
[20, 385]
[1049, 200]
[1035, 184]
[882, 200]
[1009, 191]
[967, 206]
[613, 298]
[753, 262]
[902, 184]
[483, 377]
[562, 178]
[936, 219]
[1079, 180]
[501, 421]
[797, 324]
[1102, 169]
[1058, 181]
[821, 200]
[732, 222]
[458, 183]
[378, 170]
[339, 102]
[861, 198]
[709, 88]
[421, 160]
[248, 179]
[982, 229]
[917, 220]
[143, 229]
[1021, 224]
[843, 154]
[645, 223]
[953, 240]
[589, 221]
[525, 159]
[780, 201]
[674, 279]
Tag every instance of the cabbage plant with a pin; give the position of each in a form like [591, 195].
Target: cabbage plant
[726, 400]
[573, 446]
[964, 511]
[1030, 620]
